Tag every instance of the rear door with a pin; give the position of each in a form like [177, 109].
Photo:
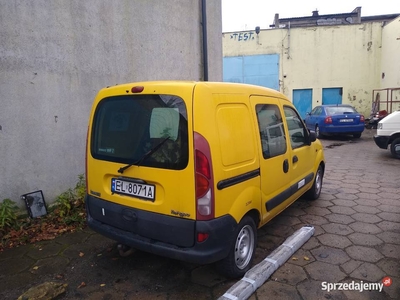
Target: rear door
[274, 158]
[140, 154]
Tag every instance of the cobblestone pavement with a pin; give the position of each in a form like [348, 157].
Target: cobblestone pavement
[356, 240]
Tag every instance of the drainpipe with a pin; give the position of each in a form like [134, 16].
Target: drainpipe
[205, 54]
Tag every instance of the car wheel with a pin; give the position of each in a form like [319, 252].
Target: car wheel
[395, 148]
[316, 188]
[241, 255]
[317, 132]
[357, 135]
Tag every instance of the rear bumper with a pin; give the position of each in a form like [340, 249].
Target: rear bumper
[177, 230]
[381, 141]
[351, 129]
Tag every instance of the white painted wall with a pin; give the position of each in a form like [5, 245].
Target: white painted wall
[347, 56]
[55, 56]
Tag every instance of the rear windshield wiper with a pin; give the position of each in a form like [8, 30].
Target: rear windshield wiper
[146, 155]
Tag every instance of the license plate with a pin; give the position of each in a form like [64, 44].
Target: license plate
[346, 120]
[140, 190]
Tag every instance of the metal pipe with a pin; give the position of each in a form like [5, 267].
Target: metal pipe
[205, 52]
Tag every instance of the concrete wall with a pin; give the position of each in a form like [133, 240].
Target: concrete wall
[320, 57]
[391, 55]
[55, 56]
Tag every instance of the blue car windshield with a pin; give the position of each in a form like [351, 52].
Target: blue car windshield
[335, 110]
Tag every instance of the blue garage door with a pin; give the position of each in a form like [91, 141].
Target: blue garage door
[253, 69]
[332, 95]
[302, 100]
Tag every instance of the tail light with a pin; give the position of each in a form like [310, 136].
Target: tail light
[86, 159]
[204, 180]
[328, 120]
[362, 119]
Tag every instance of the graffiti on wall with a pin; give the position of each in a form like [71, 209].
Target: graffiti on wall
[334, 21]
[242, 36]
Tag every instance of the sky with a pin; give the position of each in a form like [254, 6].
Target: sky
[241, 15]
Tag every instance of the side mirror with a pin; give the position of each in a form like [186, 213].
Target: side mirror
[312, 137]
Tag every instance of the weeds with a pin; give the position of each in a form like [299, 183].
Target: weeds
[67, 215]
[8, 215]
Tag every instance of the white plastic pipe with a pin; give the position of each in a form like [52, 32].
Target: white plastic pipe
[257, 275]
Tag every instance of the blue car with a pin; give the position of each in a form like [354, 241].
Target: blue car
[338, 119]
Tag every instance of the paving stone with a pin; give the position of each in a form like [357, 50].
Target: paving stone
[364, 239]
[317, 271]
[394, 290]
[391, 267]
[277, 290]
[337, 229]
[51, 265]
[369, 185]
[293, 211]
[390, 250]
[350, 190]
[367, 202]
[364, 253]
[330, 255]
[345, 200]
[324, 199]
[76, 238]
[278, 230]
[350, 266]
[390, 237]
[311, 244]
[368, 272]
[389, 226]
[386, 195]
[301, 258]
[365, 228]
[344, 210]
[287, 220]
[367, 209]
[391, 202]
[334, 240]
[206, 276]
[46, 250]
[366, 218]
[319, 211]
[389, 208]
[388, 216]
[313, 220]
[289, 274]
[340, 219]
[16, 265]
[312, 289]
[15, 252]
[369, 190]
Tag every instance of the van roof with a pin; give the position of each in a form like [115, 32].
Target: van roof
[224, 87]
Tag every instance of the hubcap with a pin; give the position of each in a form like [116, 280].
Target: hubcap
[318, 182]
[244, 247]
[397, 149]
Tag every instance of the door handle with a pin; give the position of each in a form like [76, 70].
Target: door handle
[295, 159]
[285, 166]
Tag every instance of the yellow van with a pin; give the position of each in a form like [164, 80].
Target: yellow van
[190, 170]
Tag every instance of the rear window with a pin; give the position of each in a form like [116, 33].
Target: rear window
[126, 128]
[340, 110]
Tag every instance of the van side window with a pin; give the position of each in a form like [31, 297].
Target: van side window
[295, 127]
[272, 133]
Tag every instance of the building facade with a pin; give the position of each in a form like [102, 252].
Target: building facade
[56, 55]
[327, 59]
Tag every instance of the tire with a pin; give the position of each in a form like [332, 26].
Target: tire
[317, 132]
[357, 135]
[241, 255]
[315, 191]
[395, 148]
